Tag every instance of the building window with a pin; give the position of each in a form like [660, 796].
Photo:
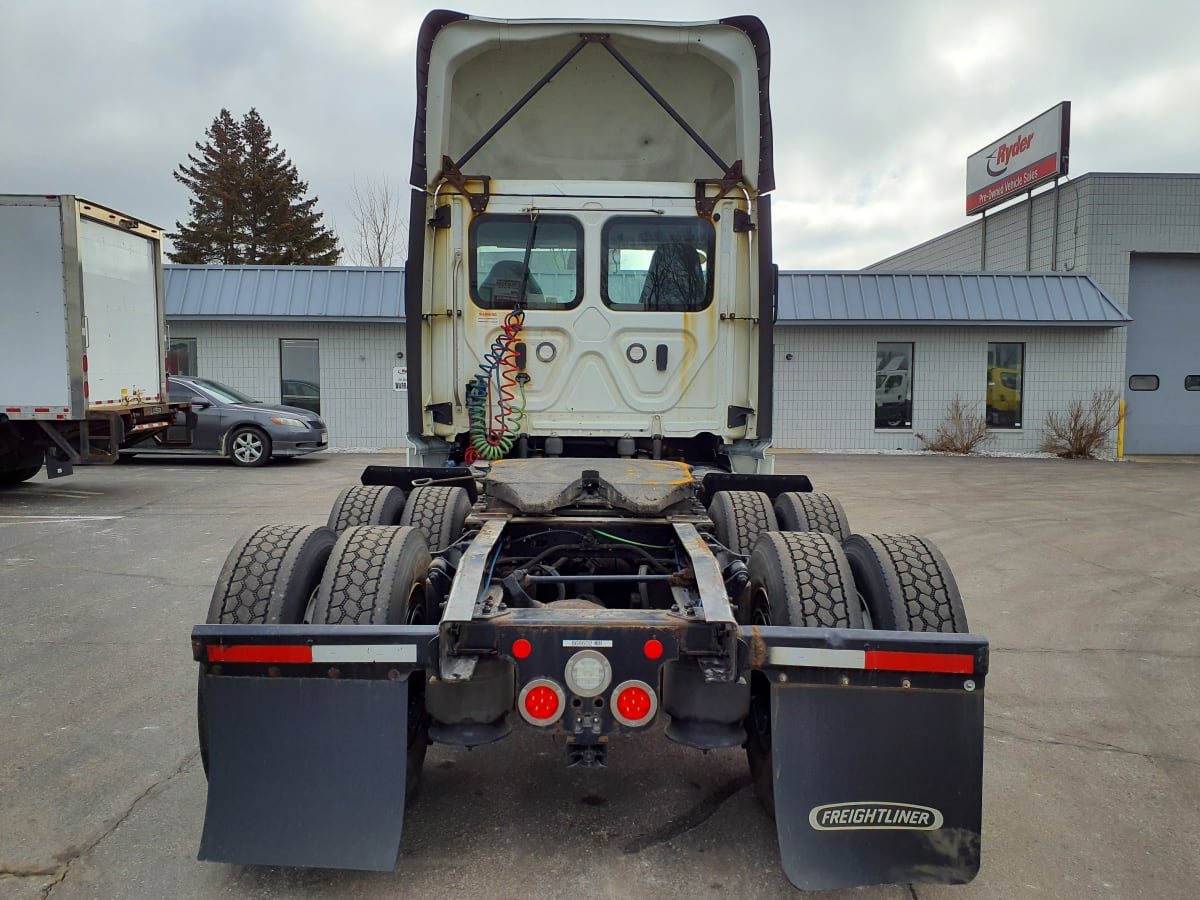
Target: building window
[181, 356]
[1191, 382]
[893, 385]
[1005, 372]
[1143, 382]
[661, 265]
[300, 374]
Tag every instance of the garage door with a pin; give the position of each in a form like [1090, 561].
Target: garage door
[1162, 388]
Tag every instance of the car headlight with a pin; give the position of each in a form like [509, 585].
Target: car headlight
[288, 423]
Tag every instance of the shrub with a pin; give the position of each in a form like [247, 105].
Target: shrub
[960, 431]
[1082, 431]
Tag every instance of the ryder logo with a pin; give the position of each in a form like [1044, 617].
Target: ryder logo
[874, 816]
[1005, 153]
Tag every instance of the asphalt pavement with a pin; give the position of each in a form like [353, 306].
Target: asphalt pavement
[1084, 575]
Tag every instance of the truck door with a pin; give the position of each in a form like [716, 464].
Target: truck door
[634, 323]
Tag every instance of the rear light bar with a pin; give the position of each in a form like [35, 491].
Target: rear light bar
[873, 660]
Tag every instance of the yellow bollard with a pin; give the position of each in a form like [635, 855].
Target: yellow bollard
[1121, 429]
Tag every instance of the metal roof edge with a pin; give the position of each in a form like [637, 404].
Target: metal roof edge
[1125, 317]
[307, 320]
[954, 323]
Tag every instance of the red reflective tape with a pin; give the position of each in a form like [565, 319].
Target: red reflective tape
[260, 653]
[41, 409]
[899, 661]
[13, 409]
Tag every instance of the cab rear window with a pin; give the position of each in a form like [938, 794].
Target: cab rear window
[657, 264]
[531, 262]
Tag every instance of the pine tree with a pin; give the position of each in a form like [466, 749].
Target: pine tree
[215, 182]
[248, 203]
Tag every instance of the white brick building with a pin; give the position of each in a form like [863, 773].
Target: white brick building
[1138, 237]
[239, 324]
[862, 360]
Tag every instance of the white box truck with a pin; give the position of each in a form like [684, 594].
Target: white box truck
[81, 334]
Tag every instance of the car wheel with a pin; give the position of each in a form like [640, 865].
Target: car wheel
[249, 446]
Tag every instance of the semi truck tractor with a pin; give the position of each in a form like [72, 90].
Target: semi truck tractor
[591, 544]
[82, 336]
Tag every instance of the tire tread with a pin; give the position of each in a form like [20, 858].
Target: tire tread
[257, 572]
[799, 511]
[740, 517]
[363, 504]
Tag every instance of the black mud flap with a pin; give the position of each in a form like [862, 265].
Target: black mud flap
[305, 771]
[877, 785]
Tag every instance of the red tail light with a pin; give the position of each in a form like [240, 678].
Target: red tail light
[541, 702]
[634, 703]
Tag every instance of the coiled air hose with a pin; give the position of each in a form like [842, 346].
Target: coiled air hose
[494, 433]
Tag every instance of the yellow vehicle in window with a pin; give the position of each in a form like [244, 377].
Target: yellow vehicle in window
[1003, 396]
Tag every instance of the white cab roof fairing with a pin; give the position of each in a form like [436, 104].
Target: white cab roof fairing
[593, 120]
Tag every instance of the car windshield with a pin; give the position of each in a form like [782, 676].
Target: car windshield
[222, 392]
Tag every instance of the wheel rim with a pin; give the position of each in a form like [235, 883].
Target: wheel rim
[760, 609]
[247, 447]
[416, 606]
[866, 611]
[307, 618]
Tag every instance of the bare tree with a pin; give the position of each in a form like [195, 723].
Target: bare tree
[380, 229]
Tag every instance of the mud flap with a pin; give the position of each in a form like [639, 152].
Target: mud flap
[305, 771]
[877, 785]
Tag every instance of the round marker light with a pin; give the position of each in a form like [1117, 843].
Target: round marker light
[634, 703]
[653, 649]
[521, 648]
[588, 673]
[541, 702]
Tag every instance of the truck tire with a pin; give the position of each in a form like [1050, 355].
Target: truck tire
[362, 504]
[905, 583]
[439, 512]
[270, 575]
[249, 446]
[269, 578]
[16, 476]
[739, 517]
[798, 511]
[376, 576]
[798, 578]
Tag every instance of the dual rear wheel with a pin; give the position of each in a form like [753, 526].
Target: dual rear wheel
[815, 574]
[368, 566]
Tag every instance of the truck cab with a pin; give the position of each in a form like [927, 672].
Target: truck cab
[594, 277]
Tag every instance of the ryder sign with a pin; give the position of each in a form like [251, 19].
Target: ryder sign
[1021, 160]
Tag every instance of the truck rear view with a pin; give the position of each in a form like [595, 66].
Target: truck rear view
[591, 546]
[81, 347]
[596, 276]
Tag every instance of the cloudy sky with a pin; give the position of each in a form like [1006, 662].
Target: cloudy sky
[877, 103]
